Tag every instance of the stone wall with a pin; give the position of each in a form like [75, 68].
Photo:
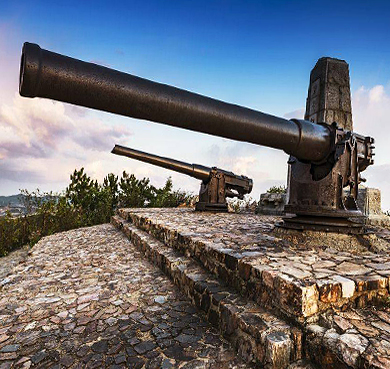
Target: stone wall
[271, 204]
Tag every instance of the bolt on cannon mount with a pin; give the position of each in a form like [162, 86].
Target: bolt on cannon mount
[217, 184]
[323, 158]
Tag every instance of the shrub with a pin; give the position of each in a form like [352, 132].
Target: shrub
[165, 197]
[241, 206]
[277, 189]
[85, 202]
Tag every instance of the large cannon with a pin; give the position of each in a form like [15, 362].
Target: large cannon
[323, 158]
[217, 184]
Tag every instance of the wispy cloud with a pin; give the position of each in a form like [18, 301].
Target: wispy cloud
[11, 172]
[298, 114]
[44, 140]
[267, 167]
[371, 111]
[38, 127]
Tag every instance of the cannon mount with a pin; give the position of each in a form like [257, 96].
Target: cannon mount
[217, 184]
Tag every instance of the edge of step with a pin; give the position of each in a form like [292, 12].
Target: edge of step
[257, 334]
[299, 300]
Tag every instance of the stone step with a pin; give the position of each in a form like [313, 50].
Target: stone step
[257, 334]
[242, 250]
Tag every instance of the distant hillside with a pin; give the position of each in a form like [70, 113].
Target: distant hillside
[11, 200]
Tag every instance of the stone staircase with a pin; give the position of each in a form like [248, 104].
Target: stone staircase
[274, 303]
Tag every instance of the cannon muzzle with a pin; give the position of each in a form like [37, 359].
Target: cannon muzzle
[193, 170]
[50, 75]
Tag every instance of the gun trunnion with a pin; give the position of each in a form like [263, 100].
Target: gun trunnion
[217, 184]
[323, 158]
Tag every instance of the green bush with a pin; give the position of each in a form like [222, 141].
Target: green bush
[165, 197]
[134, 193]
[277, 189]
[85, 202]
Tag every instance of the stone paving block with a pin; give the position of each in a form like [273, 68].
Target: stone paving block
[86, 298]
[329, 290]
[278, 349]
[359, 338]
[348, 287]
[371, 282]
[351, 347]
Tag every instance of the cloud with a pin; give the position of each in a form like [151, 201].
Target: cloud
[13, 173]
[39, 127]
[371, 111]
[297, 114]
[378, 176]
[43, 140]
[98, 137]
[36, 120]
[267, 167]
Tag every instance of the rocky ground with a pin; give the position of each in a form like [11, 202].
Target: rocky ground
[86, 298]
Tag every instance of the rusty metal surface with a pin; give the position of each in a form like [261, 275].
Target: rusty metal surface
[194, 170]
[217, 184]
[324, 200]
[50, 75]
[338, 224]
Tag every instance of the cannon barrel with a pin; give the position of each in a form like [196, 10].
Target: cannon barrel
[51, 75]
[193, 170]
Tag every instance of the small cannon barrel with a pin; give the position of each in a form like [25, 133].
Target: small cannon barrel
[193, 170]
[51, 75]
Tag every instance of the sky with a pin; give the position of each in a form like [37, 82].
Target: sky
[253, 53]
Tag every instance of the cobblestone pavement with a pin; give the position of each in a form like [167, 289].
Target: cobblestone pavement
[85, 298]
[8, 263]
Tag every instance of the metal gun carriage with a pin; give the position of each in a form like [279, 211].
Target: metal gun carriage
[323, 158]
[217, 184]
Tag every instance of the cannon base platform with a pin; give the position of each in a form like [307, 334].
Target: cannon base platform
[325, 224]
[216, 208]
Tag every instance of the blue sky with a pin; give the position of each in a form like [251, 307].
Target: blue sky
[253, 53]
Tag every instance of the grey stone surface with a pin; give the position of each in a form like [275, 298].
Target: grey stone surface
[86, 298]
[271, 204]
[258, 335]
[329, 95]
[358, 338]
